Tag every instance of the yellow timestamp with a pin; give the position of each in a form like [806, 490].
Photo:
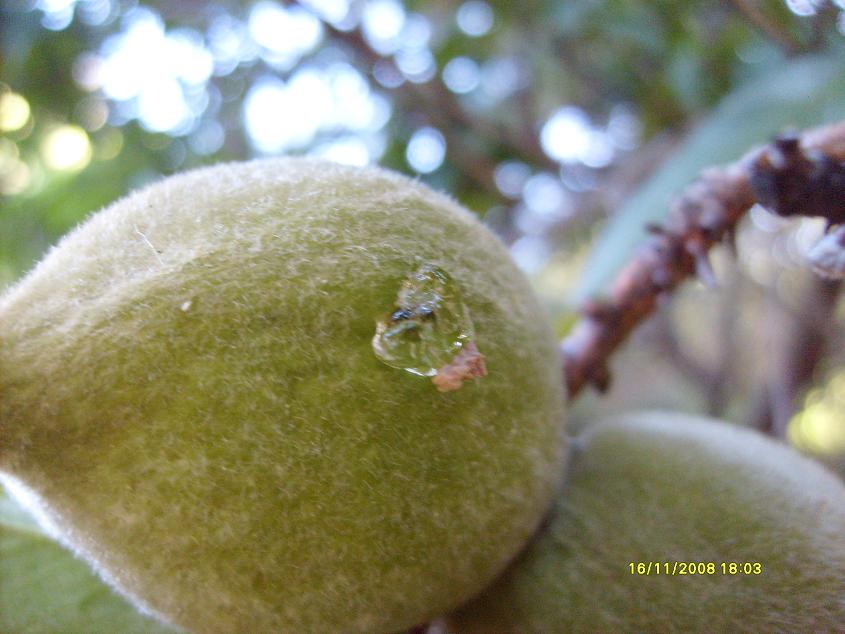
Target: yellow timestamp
[678, 568]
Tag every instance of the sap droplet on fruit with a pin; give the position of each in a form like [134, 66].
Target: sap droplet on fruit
[428, 327]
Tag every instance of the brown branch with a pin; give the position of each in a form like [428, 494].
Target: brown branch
[792, 176]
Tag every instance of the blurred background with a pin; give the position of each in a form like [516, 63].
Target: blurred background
[567, 126]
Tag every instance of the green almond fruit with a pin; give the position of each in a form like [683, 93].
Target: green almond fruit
[219, 392]
[670, 523]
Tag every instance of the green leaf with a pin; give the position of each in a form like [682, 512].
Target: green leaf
[45, 589]
[804, 93]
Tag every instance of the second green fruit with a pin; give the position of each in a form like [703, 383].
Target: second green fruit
[677, 494]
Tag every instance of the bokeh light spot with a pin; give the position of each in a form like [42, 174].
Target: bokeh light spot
[546, 197]
[426, 150]
[417, 65]
[475, 18]
[347, 150]
[566, 136]
[58, 14]
[66, 148]
[819, 427]
[14, 111]
[382, 22]
[15, 179]
[502, 76]
[14, 173]
[333, 11]
[510, 177]
[208, 138]
[531, 253]
[803, 7]
[461, 75]
[286, 33]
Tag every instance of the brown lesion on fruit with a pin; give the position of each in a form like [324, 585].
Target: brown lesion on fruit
[467, 365]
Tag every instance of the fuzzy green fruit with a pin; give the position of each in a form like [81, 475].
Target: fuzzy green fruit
[660, 487]
[188, 387]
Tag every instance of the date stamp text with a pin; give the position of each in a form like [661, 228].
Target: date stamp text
[679, 568]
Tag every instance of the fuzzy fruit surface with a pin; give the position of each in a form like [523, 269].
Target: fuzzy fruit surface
[662, 487]
[188, 386]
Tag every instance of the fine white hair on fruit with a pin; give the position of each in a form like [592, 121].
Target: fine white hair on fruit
[189, 386]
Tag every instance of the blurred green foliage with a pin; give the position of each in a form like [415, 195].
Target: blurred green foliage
[666, 62]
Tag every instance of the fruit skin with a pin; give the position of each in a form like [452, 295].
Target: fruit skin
[187, 383]
[666, 487]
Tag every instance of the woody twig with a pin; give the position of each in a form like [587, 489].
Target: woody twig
[795, 175]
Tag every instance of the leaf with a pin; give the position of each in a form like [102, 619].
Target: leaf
[45, 589]
[805, 93]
